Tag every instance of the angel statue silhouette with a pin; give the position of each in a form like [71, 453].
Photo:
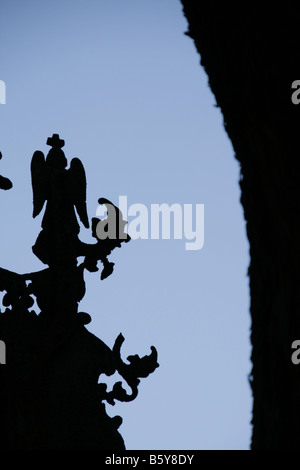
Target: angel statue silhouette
[64, 190]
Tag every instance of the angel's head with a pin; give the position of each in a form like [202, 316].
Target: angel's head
[56, 159]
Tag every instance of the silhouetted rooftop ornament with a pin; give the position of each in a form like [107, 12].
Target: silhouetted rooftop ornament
[53, 362]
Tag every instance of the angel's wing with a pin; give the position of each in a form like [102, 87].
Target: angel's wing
[78, 189]
[39, 180]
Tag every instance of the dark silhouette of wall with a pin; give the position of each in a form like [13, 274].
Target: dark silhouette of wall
[252, 58]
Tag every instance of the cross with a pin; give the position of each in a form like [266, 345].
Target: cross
[55, 141]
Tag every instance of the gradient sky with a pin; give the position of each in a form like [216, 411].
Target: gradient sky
[123, 86]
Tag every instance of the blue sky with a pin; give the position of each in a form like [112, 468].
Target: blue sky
[123, 86]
